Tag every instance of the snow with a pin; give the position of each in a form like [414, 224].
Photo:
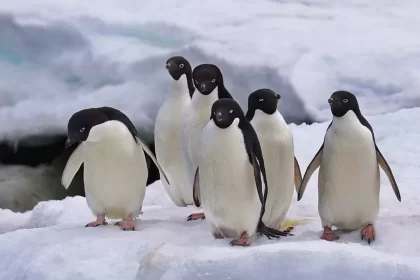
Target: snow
[56, 59]
[51, 241]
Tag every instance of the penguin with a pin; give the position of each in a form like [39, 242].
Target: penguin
[168, 131]
[227, 181]
[276, 140]
[115, 168]
[208, 80]
[349, 176]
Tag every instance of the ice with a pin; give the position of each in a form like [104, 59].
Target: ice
[59, 58]
[51, 242]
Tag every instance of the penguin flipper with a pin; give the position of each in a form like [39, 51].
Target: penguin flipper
[257, 175]
[298, 175]
[72, 166]
[315, 163]
[196, 189]
[385, 167]
[150, 154]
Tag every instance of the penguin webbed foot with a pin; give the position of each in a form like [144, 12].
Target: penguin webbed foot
[126, 224]
[329, 235]
[100, 221]
[368, 233]
[242, 241]
[196, 216]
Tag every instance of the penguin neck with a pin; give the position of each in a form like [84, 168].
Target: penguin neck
[107, 131]
[201, 100]
[269, 121]
[180, 88]
[350, 119]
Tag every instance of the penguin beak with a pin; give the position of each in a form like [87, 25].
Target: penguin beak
[219, 116]
[69, 142]
[330, 100]
[202, 87]
[277, 96]
[168, 66]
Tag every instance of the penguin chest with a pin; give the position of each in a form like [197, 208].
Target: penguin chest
[195, 119]
[228, 190]
[168, 146]
[349, 177]
[115, 176]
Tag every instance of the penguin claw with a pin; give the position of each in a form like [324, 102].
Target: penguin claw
[368, 233]
[196, 216]
[242, 241]
[96, 224]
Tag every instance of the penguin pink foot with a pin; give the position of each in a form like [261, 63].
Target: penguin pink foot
[218, 236]
[127, 223]
[368, 233]
[100, 221]
[242, 241]
[196, 216]
[329, 235]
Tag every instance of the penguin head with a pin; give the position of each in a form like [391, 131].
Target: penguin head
[207, 77]
[225, 111]
[178, 66]
[341, 102]
[81, 123]
[265, 100]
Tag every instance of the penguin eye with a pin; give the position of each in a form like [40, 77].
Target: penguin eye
[82, 129]
[261, 99]
[213, 80]
[181, 65]
[345, 100]
[231, 111]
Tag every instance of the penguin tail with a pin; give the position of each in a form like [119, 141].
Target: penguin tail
[270, 232]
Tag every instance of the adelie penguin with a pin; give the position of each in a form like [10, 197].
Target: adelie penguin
[349, 177]
[228, 181]
[115, 168]
[276, 139]
[208, 80]
[168, 131]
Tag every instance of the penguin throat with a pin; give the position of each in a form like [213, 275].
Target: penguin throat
[201, 100]
[180, 87]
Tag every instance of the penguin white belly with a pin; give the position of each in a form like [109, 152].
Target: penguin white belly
[276, 142]
[227, 186]
[195, 118]
[168, 148]
[115, 176]
[348, 179]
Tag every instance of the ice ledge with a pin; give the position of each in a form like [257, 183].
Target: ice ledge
[295, 260]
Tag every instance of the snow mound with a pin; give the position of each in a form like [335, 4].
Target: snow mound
[51, 243]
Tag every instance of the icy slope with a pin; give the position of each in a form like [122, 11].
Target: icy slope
[51, 241]
[58, 58]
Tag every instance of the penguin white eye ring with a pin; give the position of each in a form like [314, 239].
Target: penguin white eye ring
[345, 100]
[181, 65]
[196, 82]
[213, 80]
[231, 111]
[82, 129]
[261, 99]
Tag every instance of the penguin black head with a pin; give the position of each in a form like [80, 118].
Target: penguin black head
[81, 123]
[178, 66]
[343, 101]
[207, 77]
[265, 100]
[224, 111]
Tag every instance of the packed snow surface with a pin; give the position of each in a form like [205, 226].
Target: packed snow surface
[51, 241]
[57, 58]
